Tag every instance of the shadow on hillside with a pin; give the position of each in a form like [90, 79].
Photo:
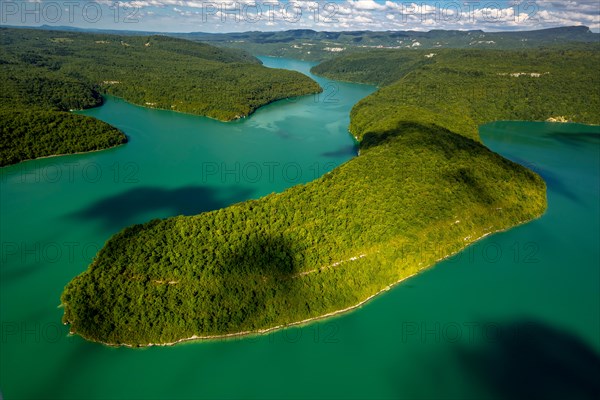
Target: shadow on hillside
[255, 283]
[128, 207]
[471, 182]
[532, 360]
[242, 285]
[431, 136]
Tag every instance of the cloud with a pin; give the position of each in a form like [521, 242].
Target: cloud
[240, 15]
[366, 5]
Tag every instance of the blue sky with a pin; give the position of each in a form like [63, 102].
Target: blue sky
[333, 15]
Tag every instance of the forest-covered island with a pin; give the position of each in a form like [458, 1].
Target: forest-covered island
[423, 187]
[48, 73]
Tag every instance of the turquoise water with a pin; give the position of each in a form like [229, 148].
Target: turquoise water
[472, 326]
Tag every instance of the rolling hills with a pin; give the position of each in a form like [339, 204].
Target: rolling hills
[48, 73]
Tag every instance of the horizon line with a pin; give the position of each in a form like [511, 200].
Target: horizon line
[66, 27]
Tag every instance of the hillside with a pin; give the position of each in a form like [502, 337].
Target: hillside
[312, 250]
[307, 44]
[47, 73]
[422, 188]
[462, 89]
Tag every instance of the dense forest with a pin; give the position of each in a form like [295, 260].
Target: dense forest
[316, 248]
[462, 89]
[47, 73]
[307, 44]
[422, 188]
[28, 134]
[34, 117]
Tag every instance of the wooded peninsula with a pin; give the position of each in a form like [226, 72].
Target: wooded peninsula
[422, 188]
[48, 73]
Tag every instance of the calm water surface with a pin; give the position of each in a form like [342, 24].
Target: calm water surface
[469, 327]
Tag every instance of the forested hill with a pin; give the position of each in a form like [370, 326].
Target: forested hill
[462, 89]
[313, 45]
[423, 187]
[47, 73]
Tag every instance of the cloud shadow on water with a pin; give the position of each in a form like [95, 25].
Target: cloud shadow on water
[553, 181]
[21, 271]
[533, 360]
[128, 207]
[351, 150]
[282, 133]
[74, 351]
[575, 139]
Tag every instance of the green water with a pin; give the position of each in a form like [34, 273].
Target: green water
[470, 327]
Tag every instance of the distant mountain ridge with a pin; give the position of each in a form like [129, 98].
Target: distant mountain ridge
[574, 33]
[319, 45]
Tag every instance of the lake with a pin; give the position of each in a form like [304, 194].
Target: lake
[472, 326]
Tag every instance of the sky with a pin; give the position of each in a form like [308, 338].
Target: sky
[323, 15]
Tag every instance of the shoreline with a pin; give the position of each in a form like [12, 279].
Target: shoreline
[538, 121]
[225, 121]
[65, 154]
[235, 119]
[311, 319]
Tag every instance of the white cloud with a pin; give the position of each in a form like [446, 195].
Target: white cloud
[366, 5]
[219, 15]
